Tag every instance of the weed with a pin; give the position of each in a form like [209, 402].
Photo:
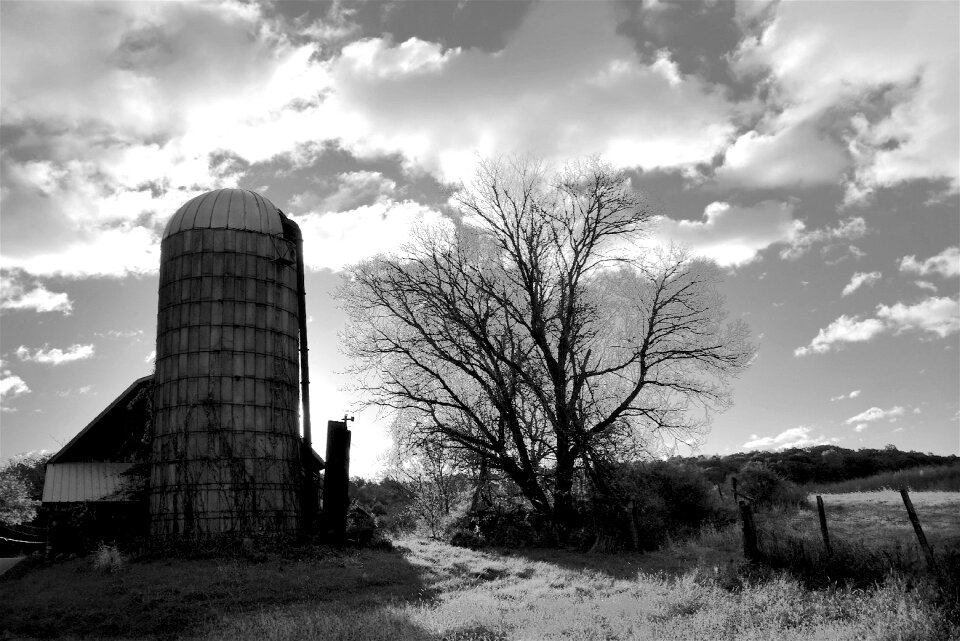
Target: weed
[107, 558]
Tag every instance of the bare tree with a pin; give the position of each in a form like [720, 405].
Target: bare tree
[536, 334]
[433, 475]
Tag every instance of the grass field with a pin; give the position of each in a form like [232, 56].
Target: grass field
[877, 519]
[938, 478]
[430, 591]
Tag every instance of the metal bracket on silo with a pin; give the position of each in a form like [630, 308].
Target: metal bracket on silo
[336, 499]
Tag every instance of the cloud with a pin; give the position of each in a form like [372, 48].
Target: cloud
[927, 285]
[145, 101]
[855, 393]
[733, 235]
[847, 229]
[530, 96]
[55, 356]
[860, 279]
[353, 189]
[794, 155]
[845, 329]
[890, 90]
[946, 263]
[152, 104]
[937, 315]
[80, 391]
[383, 227]
[11, 386]
[33, 296]
[876, 414]
[860, 427]
[151, 357]
[793, 437]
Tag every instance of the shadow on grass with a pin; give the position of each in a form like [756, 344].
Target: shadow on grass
[174, 598]
[672, 560]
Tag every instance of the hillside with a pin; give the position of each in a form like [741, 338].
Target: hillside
[820, 464]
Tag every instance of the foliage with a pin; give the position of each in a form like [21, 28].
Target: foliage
[765, 488]
[387, 500]
[499, 526]
[532, 337]
[434, 478]
[107, 558]
[16, 506]
[21, 487]
[821, 464]
[668, 500]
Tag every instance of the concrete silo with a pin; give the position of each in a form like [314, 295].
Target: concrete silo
[226, 454]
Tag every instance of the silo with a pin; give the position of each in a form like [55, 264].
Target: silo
[226, 447]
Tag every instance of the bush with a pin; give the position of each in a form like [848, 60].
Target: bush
[107, 559]
[766, 488]
[499, 526]
[664, 500]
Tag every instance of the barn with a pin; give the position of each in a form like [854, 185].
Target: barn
[91, 490]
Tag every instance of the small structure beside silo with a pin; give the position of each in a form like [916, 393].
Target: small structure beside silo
[92, 487]
[226, 451]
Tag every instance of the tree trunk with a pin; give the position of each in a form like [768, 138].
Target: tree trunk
[563, 508]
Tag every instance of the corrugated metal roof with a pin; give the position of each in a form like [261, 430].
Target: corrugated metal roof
[227, 209]
[89, 481]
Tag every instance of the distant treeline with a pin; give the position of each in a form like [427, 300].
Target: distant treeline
[821, 464]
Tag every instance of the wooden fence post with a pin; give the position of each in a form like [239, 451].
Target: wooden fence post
[750, 550]
[823, 525]
[927, 550]
[733, 483]
[634, 532]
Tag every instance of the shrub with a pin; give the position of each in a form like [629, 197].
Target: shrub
[664, 500]
[510, 525]
[107, 559]
[766, 488]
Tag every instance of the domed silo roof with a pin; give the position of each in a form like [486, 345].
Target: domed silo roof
[227, 209]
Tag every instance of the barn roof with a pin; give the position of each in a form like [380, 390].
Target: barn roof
[112, 434]
[86, 481]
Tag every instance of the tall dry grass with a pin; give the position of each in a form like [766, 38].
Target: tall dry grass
[939, 478]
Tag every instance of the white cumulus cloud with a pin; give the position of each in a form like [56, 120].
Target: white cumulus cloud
[860, 279]
[847, 229]
[936, 315]
[825, 64]
[383, 227]
[845, 329]
[733, 235]
[855, 393]
[11, 386]
[55, 356]
[946, 263]
[793, 155]
[794, 437]
[35, 296]
[876, 414]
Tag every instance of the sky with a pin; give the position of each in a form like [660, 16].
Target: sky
[810, 148]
